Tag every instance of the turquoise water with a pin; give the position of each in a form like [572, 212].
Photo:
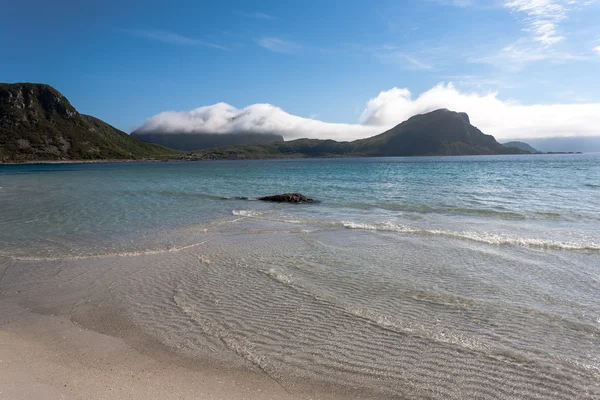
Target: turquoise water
[409, 275]
[537, 201]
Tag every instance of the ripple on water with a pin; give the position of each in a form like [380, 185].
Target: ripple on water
[309, 309]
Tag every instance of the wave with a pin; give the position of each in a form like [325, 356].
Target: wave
[480, 237]
[260, 215]
[549, 215]
[426, 209]
[247, 213]
[110, 255]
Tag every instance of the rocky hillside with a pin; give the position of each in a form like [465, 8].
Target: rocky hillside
[440, 132]
[38, 123]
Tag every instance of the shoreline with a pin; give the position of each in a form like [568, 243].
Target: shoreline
[111, 161]
[50, 357]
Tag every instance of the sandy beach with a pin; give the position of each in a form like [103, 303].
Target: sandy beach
[49, 357]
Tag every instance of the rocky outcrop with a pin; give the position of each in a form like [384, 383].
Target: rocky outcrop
[465, 117]
[287, 198]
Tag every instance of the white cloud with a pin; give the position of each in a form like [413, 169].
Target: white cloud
[279, 45]
[596, 49]
[542, 20]
[516, 56]
[503, 119]
[543, 17]
[260, 118]
[172, 38]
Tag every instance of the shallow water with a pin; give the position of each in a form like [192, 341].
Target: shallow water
[432, 277]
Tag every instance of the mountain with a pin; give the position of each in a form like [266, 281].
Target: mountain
[586, 144]
[200, 141]
[440, 132]
[38, 123]
[520, 145]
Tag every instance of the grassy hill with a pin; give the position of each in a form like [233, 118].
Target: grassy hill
[200, 141]
[38, 123]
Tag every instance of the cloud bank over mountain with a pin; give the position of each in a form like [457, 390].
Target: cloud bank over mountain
[505, 119]
[257, 118]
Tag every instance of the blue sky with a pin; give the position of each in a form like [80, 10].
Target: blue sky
[126, 61]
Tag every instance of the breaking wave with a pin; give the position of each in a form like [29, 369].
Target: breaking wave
[480, 237]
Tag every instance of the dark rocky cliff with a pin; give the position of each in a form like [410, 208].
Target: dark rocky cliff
[38, 123]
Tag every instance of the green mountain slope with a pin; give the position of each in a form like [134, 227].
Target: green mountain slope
[440, 132]
[38, 123]
[200, 141]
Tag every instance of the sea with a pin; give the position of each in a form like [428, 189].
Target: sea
[421, 278]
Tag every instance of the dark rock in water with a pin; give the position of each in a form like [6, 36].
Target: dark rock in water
[288, 198]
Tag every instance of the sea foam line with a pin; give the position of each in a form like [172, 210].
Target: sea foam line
[108, 255]
[247, 213]
[259, 215]
[480, 237]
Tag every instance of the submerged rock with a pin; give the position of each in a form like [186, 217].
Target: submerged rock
[288, 198]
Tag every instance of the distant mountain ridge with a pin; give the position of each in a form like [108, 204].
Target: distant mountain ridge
[200, 141]
[520, 145]
[586, 144]
[440, 132]
[38, 123]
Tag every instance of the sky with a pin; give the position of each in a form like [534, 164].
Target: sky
[326, 69]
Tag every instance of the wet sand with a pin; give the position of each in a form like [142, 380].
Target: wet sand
[50, 357]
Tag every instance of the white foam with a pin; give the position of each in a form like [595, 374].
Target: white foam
[246, 213]
[108, 255]
[280, 276]
[481, 237]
